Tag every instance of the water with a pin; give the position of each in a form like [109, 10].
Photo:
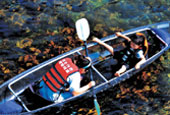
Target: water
[27, 28]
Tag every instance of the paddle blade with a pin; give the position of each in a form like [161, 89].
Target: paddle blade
[97, 106]
[82, 28]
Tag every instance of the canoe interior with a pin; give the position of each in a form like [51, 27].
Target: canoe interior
[103, 69]
[109, 66]
[103, 62]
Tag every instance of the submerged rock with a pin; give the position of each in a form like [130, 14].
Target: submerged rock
[79, 8]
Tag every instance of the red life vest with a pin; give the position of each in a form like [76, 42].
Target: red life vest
[56, 78]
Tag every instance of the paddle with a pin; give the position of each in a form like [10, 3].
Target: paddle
[83, 32]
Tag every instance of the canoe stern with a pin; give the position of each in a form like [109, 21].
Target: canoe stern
[162, 34]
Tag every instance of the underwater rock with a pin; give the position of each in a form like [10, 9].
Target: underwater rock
[52, 3]
[79, 8]
[32, 8]
[7, 31]
[4, 52]
[19, 50]
[12, 57]
[30, 5]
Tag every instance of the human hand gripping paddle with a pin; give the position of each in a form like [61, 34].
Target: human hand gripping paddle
[83, 32]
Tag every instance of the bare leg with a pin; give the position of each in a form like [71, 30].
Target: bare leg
[108, 47]
[121, 70]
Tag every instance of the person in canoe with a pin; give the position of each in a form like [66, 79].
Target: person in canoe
[63, 80]
[132, 56]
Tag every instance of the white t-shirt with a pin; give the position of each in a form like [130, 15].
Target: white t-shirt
[139, 54]
[74, 82]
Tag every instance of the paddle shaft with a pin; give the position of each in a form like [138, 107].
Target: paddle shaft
[83, 32]
[90, 70]
[96, 104]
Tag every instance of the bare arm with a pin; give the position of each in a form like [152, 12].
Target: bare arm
[108, 47]
[143, 60]
[84, 88]
[118, 34]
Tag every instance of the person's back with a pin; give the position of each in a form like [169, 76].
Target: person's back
[65, 73]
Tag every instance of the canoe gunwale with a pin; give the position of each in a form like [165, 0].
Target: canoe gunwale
[113, 82]
[105, 85]
[109, 83]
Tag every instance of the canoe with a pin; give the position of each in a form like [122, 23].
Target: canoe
[18, 88]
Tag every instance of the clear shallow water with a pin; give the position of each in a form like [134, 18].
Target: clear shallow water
[35, 22]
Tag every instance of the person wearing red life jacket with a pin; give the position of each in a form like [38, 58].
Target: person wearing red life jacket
[63, 80]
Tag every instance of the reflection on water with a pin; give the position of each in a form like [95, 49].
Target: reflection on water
[26, 25]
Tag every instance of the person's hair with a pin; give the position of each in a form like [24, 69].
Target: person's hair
[139, 39]
[82, 61]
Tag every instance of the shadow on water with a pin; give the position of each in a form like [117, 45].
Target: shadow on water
[30, 28]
